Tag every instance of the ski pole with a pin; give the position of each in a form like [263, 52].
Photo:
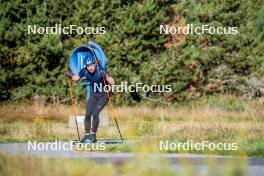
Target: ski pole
[111, 106]
[73, 109]
[110, 103]
[119, 130]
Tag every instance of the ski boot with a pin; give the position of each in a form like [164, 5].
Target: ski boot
[86, 136]
[91, 139]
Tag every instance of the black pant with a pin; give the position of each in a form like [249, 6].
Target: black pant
[95, 104]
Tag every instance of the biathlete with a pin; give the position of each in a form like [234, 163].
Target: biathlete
[97, 76]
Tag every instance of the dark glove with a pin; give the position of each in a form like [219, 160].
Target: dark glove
[104, 74]
[69, 74]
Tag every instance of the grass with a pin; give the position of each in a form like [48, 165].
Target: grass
[142, 164]
[225, 119]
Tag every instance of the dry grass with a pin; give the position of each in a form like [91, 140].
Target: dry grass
[31, 111]
[201, 113]
[222, 120]
[141, 165]
[225, 108]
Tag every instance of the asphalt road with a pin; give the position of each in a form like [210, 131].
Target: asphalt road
[255, 165]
